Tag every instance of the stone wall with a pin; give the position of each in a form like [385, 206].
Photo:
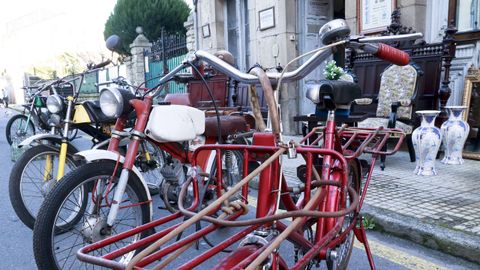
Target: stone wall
[190, 33]
[137, 65]
[268, 47]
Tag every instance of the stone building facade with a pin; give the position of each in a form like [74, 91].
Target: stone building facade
[235, 25]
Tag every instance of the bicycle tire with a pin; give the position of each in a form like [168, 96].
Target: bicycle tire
[355, 171]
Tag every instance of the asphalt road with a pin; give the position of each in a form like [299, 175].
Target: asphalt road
[389, 252]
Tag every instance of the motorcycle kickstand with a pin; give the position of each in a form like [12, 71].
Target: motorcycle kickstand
[361, 235]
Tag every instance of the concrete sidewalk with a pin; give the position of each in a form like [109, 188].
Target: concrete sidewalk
[441, 212]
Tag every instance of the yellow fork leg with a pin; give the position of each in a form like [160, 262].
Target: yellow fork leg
[145, 150]
[48, 168]
[61, 161]
[147, 155]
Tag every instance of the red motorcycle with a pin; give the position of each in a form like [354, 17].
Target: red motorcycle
[108, 194]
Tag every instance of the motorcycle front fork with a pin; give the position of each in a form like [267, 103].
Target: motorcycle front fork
[63, 148]
[117, 197]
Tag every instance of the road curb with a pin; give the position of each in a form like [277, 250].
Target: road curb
[440, 238]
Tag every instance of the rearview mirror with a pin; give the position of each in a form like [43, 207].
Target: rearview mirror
[113, 42]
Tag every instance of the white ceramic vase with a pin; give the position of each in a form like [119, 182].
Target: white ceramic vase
[454, 133]
[426, 142]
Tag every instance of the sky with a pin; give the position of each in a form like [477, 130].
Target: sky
[32, 31]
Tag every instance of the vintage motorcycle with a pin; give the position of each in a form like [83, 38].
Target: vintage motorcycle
[50, 155]
[35, 114]
[325, 219]
[108, 194]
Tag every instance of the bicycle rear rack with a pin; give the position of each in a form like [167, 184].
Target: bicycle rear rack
[356, 141]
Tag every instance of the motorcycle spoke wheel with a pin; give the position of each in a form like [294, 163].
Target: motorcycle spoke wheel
[33, 176]
[55, 247]
[65, 240]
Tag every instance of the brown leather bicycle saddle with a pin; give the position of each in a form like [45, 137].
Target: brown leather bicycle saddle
[230, 124]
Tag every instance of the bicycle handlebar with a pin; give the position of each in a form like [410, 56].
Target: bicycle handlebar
[392, 55]
[119, 80]
[402, 37]
[313, 62]
[387, 53]
[382, 51]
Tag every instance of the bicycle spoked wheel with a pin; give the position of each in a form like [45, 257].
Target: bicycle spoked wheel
[344, 250]
[308, 234]
[18, 129]
[232, 173]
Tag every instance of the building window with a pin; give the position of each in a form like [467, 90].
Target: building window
[468, 15]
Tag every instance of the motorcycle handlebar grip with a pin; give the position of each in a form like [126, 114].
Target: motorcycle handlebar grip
[100, 65]
[392, 55]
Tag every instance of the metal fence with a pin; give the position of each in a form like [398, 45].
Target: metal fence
[89, 89]
[167, 53]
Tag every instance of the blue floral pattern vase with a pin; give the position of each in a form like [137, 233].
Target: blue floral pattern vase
[426, 142]
[454, 132]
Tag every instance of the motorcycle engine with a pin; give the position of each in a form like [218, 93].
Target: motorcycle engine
[174, 175]
[174, 172]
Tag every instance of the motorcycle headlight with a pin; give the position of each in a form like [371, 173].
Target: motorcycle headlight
[54, 104]
[54, 120]
[114, 102]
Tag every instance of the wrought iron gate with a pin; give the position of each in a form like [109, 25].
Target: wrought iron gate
[167, 52]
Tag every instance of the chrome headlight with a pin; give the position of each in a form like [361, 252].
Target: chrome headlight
[54, 120]
[54, 104]
[114, 102]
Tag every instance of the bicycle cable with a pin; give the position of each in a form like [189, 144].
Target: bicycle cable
[219, 131]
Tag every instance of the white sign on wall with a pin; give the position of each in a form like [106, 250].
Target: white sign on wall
[374, 15]
[266, 18]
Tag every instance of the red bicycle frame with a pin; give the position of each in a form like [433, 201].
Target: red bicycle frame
[325, 209]
[335, 167]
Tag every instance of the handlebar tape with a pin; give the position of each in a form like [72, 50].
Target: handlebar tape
[100, 65]
[392, 55]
